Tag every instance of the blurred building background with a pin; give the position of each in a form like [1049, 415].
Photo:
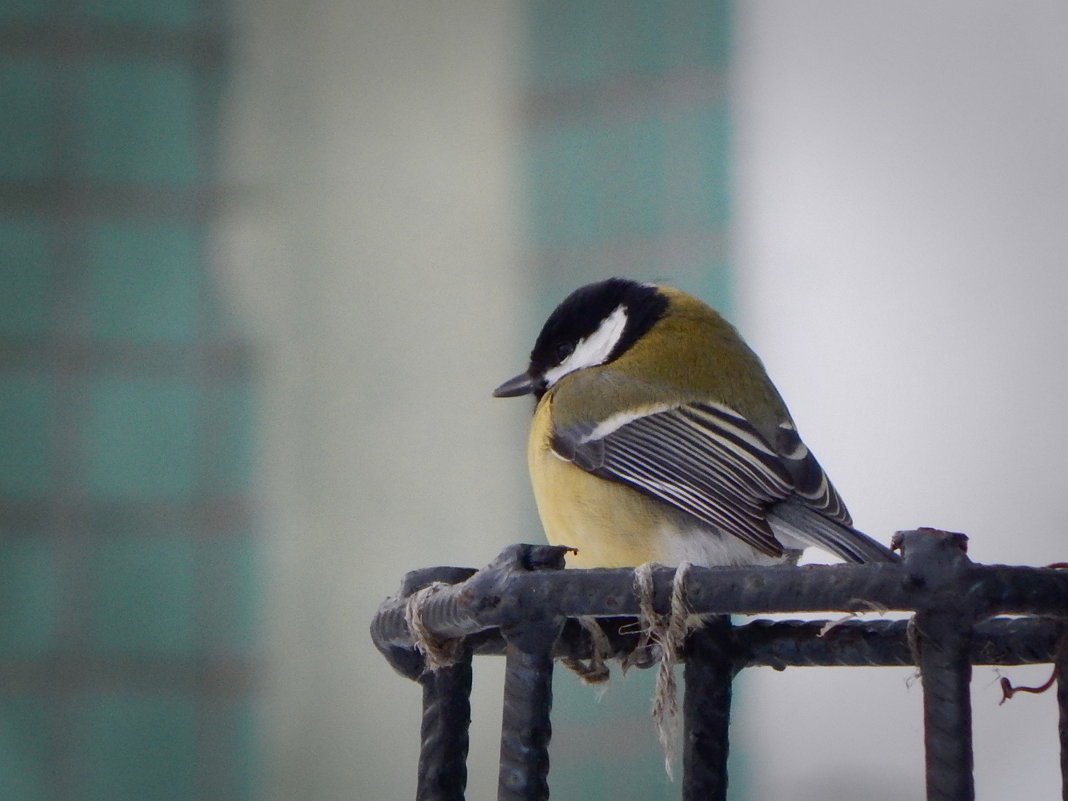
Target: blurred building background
[130, 546]
[262, 262]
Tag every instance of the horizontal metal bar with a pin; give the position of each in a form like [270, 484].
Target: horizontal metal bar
[804, 643]
[932, 575]
[885, 643]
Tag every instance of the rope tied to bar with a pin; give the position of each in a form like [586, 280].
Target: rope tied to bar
[667, 633]
[437, 653]
[595, 669]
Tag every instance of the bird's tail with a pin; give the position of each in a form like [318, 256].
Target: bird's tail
[797, 521]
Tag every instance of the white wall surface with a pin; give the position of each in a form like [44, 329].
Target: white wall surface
[371, 247]
[902, 247]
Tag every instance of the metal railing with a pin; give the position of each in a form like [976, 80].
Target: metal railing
[527, 608]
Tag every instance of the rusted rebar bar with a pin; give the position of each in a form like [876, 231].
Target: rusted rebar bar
[524, 606]
[444, 731]
[709, 676]
[1061, 667]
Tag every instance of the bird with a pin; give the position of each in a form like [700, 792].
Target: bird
[658, 437]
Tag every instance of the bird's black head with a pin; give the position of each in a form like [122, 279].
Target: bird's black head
[594, 325]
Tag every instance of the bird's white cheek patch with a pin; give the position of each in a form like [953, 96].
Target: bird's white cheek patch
[594, 349]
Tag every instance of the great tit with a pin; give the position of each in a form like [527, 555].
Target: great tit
[658, 437]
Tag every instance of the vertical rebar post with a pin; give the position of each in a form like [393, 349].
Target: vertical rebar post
[709, 675]
[1061, 667]
[446, 703]
[530, 635]
[946, 673]
[444, 732]
[526, 726]
[943, 629]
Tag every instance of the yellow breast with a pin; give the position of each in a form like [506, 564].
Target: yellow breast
[609, 523]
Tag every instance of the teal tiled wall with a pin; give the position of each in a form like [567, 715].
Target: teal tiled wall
[626, 172]
[129, 566]
[140, 122]
[176, 14]
[24, 96]
[140, 439]
[140, 287]
[136, 729]
[626, 143]
[143, 595]
[26, 277]
[25, 747]
[25, 422]
[29, 598]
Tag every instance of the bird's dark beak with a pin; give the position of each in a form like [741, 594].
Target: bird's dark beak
[514, 387]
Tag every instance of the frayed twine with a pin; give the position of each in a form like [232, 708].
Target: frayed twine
[862, 605]
[667, 635]
[437, 653]
[595, 670]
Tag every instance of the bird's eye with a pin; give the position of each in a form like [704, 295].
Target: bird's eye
[563, 350]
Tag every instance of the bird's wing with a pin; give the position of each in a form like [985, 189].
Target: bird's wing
[815, 513]
[703, 459]
[810, 483]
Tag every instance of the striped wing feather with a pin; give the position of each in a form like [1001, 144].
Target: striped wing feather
[710, 462]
